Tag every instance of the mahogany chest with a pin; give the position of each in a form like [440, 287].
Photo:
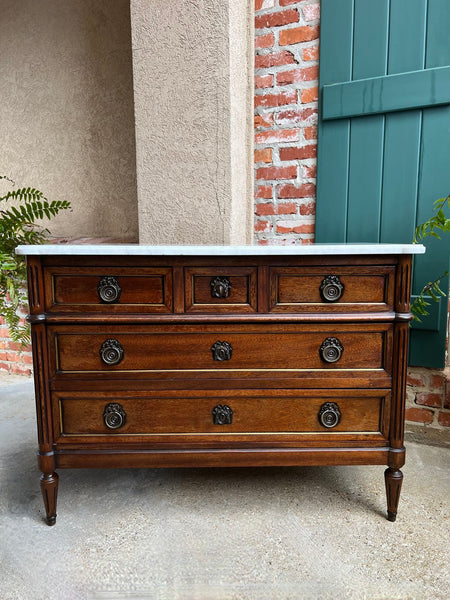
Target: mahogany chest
[217, 357]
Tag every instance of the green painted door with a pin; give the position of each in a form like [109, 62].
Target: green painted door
[384, 135]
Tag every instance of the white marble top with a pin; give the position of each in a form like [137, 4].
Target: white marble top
[142, 250]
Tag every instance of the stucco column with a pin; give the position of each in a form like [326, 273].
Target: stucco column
[193, 89]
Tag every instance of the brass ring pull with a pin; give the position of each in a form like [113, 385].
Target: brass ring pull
[109, 290]
[331, 350]
[220, 287]
[331, 288]
[114, 416]
[221, 351]
[329, 415]
[111, 352]
[222, 415]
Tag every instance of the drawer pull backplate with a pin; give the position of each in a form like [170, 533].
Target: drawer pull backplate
[329, 415]
[331, 350]
[109, 290]
[331, 288]
[222, 415]
[220, 287]
[111, 352]
[221, 351]
[114, 416]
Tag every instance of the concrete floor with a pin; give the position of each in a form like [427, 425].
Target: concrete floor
[225, 534]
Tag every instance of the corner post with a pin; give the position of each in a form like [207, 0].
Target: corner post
[396, 459]
[46, 457]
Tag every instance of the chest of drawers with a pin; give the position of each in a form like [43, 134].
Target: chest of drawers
[213, 356]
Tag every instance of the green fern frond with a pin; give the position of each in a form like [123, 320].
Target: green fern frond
[29, 212]
[18, 225]
[23, 194]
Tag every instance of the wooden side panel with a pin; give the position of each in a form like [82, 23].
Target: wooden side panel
[400, 352]
[44, 414]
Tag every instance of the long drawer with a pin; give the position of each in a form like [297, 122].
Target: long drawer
[220, 350]
[258, 413]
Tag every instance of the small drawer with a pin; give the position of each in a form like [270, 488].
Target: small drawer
[108, 289]
[339, 289]
[209, 351]
[131, 415]
[220, 289]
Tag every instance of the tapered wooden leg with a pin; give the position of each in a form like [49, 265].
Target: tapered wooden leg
[49, 488]
[393, 479]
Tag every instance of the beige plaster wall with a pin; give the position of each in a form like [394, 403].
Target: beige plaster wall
[66, 113]
[193, 84]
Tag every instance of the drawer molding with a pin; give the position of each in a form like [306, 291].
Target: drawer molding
[208, 348]
[348, 289]
[221, 289]
[146, 416]
[114, 290]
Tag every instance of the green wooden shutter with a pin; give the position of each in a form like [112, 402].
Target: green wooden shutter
[384, 135]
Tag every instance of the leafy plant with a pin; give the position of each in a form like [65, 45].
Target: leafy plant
[18, 226]
[438, 224]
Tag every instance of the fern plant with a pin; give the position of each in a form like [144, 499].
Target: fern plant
[435, 226]
[18, 225]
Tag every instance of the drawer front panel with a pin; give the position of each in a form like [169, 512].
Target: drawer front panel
[87, 415]
[339, 289]
[220, 289]
[109, 289]
[213, 349]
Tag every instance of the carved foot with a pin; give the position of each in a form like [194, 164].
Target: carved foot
[49, 489]
[393, 479]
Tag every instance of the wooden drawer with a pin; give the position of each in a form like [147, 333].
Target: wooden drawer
[360, 288]
[108, 289]
[219, 350]
[84, 414]
[220, 289]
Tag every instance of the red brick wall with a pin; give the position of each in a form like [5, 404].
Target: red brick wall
[428, 396]
[12, 360]
[286, 73]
